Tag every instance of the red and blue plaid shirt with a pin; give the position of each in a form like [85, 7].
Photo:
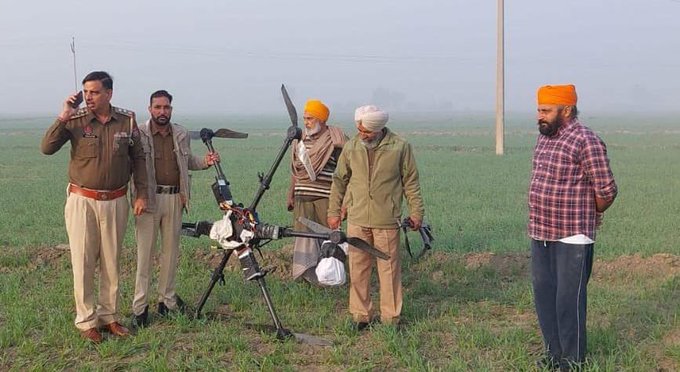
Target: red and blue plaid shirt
[569, 170]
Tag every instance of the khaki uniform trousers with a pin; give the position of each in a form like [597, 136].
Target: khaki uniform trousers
[389, 275]
[306, 250]
[166, 219]
[95, 229]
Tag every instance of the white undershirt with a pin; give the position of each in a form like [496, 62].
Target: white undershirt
[577, 239]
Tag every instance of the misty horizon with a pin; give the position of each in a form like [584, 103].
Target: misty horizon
[431, 56]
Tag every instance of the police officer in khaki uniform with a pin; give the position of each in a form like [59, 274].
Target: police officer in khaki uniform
[105, 148]
[168, 161]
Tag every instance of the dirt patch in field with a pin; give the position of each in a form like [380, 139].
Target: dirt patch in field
[660, 266]
[506, 265]
[672, 338]
[666, 363]
[7, 357]
[280, 261]
[50, 255]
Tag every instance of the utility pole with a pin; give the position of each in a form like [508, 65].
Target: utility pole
[75, 74]
[500, 83]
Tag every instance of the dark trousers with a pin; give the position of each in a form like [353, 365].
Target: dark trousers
[559, 274]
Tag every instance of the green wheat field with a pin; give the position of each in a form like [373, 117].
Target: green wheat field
[467, 304]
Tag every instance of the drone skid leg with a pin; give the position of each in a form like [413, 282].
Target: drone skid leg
[217, 275]
[252, 271]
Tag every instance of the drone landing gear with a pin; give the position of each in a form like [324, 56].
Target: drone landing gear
[251, 271]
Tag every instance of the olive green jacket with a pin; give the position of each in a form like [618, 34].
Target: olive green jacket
[374, 200]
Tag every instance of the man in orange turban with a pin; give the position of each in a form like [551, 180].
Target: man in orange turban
[571, 187]
[313, 164]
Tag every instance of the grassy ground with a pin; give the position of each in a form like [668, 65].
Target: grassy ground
[468, 306]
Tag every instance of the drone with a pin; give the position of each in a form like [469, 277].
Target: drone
[241, 232]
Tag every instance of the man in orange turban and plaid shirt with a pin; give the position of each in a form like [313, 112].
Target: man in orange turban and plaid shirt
[571, 187]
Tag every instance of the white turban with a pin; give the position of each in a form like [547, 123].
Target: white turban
[371, 117]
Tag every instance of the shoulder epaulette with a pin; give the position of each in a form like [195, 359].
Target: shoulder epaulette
[79, 113]
[123, 111]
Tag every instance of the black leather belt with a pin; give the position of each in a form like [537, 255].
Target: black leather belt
[162, 189]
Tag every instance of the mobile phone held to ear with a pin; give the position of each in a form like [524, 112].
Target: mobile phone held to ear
[78, 101]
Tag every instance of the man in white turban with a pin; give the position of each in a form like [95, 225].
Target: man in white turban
[376, 171]
[370, 122]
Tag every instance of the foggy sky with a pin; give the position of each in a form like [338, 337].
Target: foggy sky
[418, 56]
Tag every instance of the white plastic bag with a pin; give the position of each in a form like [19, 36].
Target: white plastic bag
[222, 232]
[330, 271]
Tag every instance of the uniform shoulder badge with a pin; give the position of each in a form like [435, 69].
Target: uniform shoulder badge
[79, 113]
[123, 111]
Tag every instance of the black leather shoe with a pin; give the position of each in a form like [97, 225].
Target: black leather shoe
[360, 326]
[181, 306]
[163, 309]
[141, 320]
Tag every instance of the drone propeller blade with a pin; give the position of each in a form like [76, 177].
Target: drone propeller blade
[315, 226]
[220, 133]
[356, 242]
[289, 105]
[228, 133]
[364, 246]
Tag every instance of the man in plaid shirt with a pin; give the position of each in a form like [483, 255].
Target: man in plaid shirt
[571, 186]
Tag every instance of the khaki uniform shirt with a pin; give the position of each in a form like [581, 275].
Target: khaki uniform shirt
[167, 170]
[103, 155]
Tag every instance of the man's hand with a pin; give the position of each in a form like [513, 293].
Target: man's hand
[67, 110]
[333, 222]
[416, 223]
[139, 207]
[290, 203]
[601, 205]
[211, 158]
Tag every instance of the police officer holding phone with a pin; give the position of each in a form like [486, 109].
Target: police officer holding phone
[105, 149]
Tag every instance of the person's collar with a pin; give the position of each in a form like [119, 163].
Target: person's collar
[567, 125]
[382, 135]
[157, 129]
[113, 115]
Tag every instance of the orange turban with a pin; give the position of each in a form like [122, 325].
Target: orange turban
[557, 95]
[317, 109]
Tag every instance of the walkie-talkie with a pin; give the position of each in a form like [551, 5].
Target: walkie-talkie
[78, 101]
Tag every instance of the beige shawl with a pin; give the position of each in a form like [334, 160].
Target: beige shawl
[326, 141]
